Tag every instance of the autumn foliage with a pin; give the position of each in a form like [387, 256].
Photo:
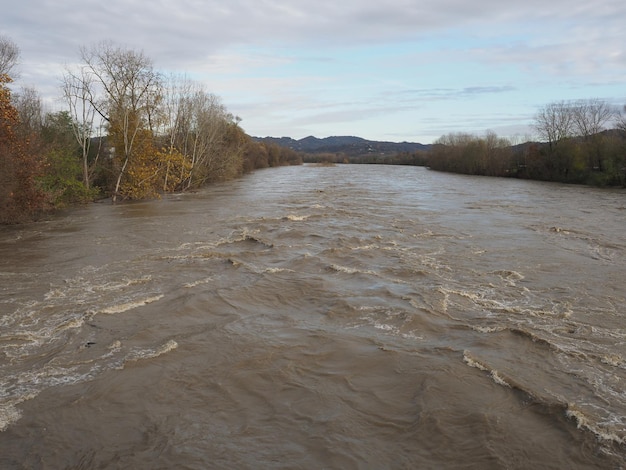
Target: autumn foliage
[128, 133]
[153, 171]
[20, 165]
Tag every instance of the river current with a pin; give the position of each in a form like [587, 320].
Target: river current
[346, 317]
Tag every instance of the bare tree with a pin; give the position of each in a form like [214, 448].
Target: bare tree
[590, 116]
[208, 134]
[554, 122]
[200, 128]
[201, 123]
[131, 90]
[176, 92]
[79, 91]
[30, 110]
[9, 55]
[621, 119]
[497, 154]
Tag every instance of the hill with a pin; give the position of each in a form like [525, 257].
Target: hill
[349, 146]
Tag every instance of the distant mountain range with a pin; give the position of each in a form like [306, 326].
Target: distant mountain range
[348, 145]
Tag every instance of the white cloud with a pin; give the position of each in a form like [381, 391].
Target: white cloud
[345, 62]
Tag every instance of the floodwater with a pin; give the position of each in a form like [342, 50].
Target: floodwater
[347, 317]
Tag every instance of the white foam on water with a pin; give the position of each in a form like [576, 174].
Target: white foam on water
[348, 270]
[55, 294]
[26, 333]
[297, 218]
[385, 327]
[121, 308]
[256, 269]
[148, 353]
[494, 374]
[391, 321]
[491, 302]
[27, 385]
[76, 322]
[371, 246]
[9, 414]
[509, 277]
[498, 379]
[584, 422]
[487, 329]
[199, 282]
[470, 361]
[277, 270]
[605, 427]
[114, 286]
[412, 336]
[614, 360]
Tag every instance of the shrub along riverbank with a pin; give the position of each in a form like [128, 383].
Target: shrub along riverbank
[599, 160]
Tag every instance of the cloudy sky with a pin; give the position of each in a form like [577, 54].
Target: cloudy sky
[399, 70]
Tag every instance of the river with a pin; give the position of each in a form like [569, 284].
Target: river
[346, 317]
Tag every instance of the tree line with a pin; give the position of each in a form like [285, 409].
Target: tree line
[581, 141]
[575, 145]
[127, 132]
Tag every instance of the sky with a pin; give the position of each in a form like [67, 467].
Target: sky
[399, 70]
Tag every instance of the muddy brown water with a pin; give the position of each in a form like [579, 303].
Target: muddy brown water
[347, 317]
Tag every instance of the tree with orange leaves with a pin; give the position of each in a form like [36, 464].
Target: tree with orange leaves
[20, 197]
